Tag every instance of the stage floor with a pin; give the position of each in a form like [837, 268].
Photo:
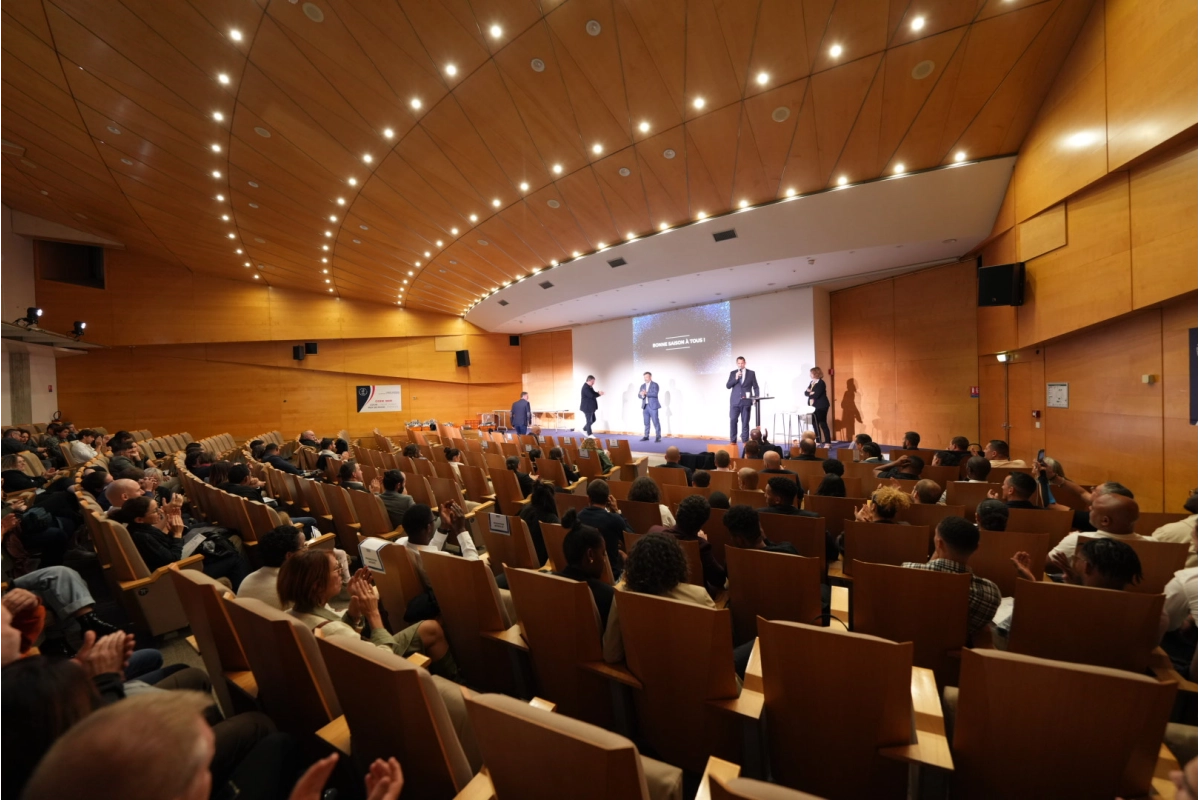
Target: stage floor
[684, 443]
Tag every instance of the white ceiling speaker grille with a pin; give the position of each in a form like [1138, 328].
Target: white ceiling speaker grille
[537, 65]
[668, 153]
[781, 114]
[592, 27]
[923, 70]
[553, 203]
[263, 132]
[313, 12]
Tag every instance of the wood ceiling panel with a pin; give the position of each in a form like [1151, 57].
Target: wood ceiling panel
[859, 28]
[513, 17]
[597, 124]
[41, 129]
[435, 215]
[939, 16]
[838, 95]
[665, 179]
[704, 195]
[625, 194]
[449, 35]
[183, 169]
[802, 173]
[994, 8]
[521, 220]
[558, 221]
[585, 202]
[598, 58]
[389, 41]
[739, 20]
[715, 137]
[29, 15]
[773, 139]
[646, 92]
[750, 182]
[502, 239]
[860, 153]
[661, 27]
[411, 230]
[780, 45]
[904, 95]
[424, 156]
[31, 65]
[709, 73]
[453, 132]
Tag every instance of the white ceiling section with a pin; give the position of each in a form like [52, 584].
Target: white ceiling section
[840, 236]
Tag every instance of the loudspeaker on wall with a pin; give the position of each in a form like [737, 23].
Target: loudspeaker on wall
[514, 341]
[310, 348]
[298, 352]
[463, 357]
[1002, 285]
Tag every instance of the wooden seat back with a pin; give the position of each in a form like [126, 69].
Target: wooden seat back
[772, 586]
[674, 714]
[835, 510]
[926, 608]
[619, 452]
[942, 476]
[508, 491]
[560, 621]
[551, 470]
[884, 544]
[722, 481]
[445, 490]
[993, 559]
[970, 495]
[553, 535]
[854, 486]
[224, 659]
[1150, 521]
[673, 493]
[1160, 561]
[371, 513]
[394, 710]
[564, 501]
[806, 534]
[928, 514]
[417, 485]
[475, 483]
[345, 522]
[640, 516]
[519, 742]
[748, 497]
[512, 549]
[589, 465]
[398, 584]
[718, 534]
[294, 689]
[1112, 746]
[1040, 520]
[668, 475]
[1102, 627]
[470, 605]
[837, 697]
[619, 489]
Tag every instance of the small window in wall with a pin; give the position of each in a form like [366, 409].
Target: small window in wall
[80, 264]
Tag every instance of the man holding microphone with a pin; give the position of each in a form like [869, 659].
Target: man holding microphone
[744, 388]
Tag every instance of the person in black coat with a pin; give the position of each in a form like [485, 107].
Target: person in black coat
[587, 403]
[819, 400]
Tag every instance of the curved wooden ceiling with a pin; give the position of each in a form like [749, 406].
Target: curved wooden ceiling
[114, 105]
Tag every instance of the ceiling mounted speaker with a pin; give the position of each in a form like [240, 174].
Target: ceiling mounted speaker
[592, 27]
[313, 12]
[923, 70]
[781, 114]
[546, 285]
[537, 65]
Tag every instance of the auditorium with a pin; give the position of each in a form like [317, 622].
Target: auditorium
[599, 399]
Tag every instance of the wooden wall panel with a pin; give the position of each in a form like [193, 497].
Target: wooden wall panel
[1162, 206]
[1179, 435]
[1088, 280]
[1150, 52]
[1043, 233]
[547, 370]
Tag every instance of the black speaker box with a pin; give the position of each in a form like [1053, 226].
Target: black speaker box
[514, 341]
[463, 357]
[1002, 285]
[310, 348]
[298, 352]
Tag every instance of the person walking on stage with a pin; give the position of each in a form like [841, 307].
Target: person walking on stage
[819, 400]
[650, 406]
[744, 386]
[522, 414]
[587, 403]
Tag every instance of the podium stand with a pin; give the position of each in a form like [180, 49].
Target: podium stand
[758, 408]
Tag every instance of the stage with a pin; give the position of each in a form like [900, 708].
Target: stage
[684, 443]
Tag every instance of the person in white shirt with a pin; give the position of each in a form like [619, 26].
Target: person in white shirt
[1182, 531]
[82, 449]
[1112, 515]
[274, 547]
[978, 469]
[996, 451]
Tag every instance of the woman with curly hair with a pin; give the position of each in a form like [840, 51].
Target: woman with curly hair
[883, 506]
[645, 490]
[655, 565]
[591, 444]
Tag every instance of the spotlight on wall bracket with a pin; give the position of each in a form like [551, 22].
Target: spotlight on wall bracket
[79, 329]
[1003, 357]
[30, 320]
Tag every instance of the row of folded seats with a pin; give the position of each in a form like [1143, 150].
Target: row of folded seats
[820, 709]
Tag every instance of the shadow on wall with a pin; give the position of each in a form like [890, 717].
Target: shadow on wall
[850, 416]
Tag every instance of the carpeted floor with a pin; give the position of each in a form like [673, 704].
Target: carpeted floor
[651, 447]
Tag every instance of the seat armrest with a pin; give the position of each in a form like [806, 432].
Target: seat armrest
[326, 541]
[716, 768]
[614, 672]
[748, 704]
[480, 788]
[753, 678]
[337, 735]
[191, 562]
[511, 637]
[1164, 670]
[420, 660]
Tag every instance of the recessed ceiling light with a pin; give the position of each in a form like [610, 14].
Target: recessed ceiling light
[451, 70]
[790, 193]
[644, 127]
[218, 116]
[256, 276]
[225, 217]
[454, 231]
[496, 202]
[352, 181]
[439, 242]
[366, 158]
[253, 184]
[662, 226]
[216, 173]
[410, 272]
[233, 236]
[415, 103]
[553, 263]
[331, 288]
[324, 271]
[575, 254]
[473, 218]
[899, 169]
[743, 204]
[524, 187]
[762, 78]
[327, 280]
[629, 235]
[329, 233]
[223, 78]
[960, 156]
[495, 31]
[701, 215]
[239, 252]
[324, 261]
[918, 23]
[415, 264]
[364, 227]
[406, 280]
[236, 35]
[332, 219]
[698, 102]
[221, 197]
[842, 181]
[835, 51]
[601, 246]
[324, 247]
[388, 133]
[427, 254]
[246, 264]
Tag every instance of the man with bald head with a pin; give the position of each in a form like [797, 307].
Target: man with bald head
[772, 465]
[672, 457]
[119, 491]
[1113, 516]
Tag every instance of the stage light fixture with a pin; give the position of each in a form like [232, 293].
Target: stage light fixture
[79, 328]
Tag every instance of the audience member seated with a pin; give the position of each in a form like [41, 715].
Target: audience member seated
[906, 468]
[808, 451]
[36, 534]
[57, 595]
[992, 515]
[882, 507]
[422, 535]
[773, 465]
[82, 449]
[1016, 491]
[512, 464]
[832, 466]
[1112, 515]
[722, 462]
[978, 469]
[744, 526]
[308, 439]
[591, 444]
[412, 450]
[927, 492]
[747, 479]
[239, 482]
[270, 455]
[125, 454]
[94, 481]
[556, 454]
[645, 490]
[274, 547]
[1182, 531]
[1098, 563]
[996, 451]
[656, 565]
[1080, 519]
[218, 473]
[584, 550]
[198, 463]
[541, 508]
[831, 486]
[689, 523]
[781, 494]
[752, 450]
[872, 454]
[13, 443]
[954, 541]
[16, 479]
[120, 491]
[350, 476]
[718, 500]
[157, 532]
[604, 515]
[672, 461]
[394, 498]
[701, 478]
[309, 579]
[861, 439]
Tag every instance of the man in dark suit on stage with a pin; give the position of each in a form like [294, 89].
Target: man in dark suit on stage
[741, 381]
[650, 406]
[522, 414]
[587, 403]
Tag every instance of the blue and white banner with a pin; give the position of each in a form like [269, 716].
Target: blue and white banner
[379, 398]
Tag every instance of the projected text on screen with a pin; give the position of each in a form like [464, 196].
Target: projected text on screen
[691, 340]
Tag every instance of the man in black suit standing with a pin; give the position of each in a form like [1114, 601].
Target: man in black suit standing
[742, 382]
[587, 403]
[522, 414]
